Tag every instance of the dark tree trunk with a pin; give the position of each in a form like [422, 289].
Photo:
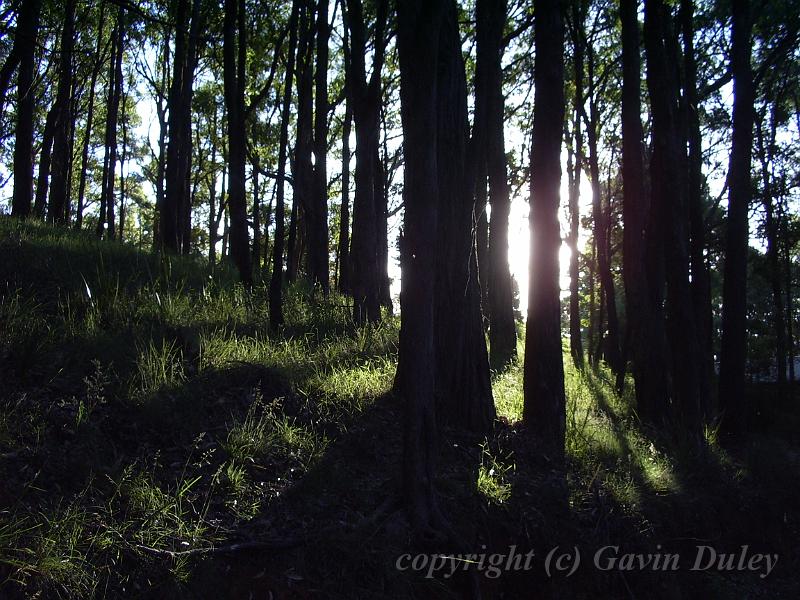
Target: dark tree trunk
[382, 229]
[276, 281]
[45, 153]
[491, 19]
[175, 217]
[463, 389]
[234, 58]
[787, 265]
[701, 278]
[611, 342]
[256, 246]
[317, 226]
[765, 152]
[733, 349]
[25, 45]
[574, 142]
[213, 214]
[87, 138]
[645, 323]
[544, 409]
[668, 198]
[123, 160]
[418, 35]
[366, 97]
[106, 224]
[161, 160]
[575, 340]
[58, 208]
[344, 216]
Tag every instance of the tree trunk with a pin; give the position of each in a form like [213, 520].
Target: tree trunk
[276, 281]
[701, 278]
[87, 139]
[366, 97]
[58, 208]
[344, 215]
[765, 151]
[234, 58]
[418, 34]
[668, 198]
[645, 324]
[611, 345]
[491, 20]
[733, 350]
[106, 225]
[463, 388]
[25, 42]
[318, 215]
[544, 409]
[45, 153]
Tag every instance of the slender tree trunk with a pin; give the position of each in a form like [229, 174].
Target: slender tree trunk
[123, 160]
[276, 281]
[544, 409]
[87, 139]
[318, 217]
[344, 217]
[765, 151]
[256, 247]
[25, 44]
[107, 226]
[234, 58]
[733, 350]
[59, 194]
[213, 218]
[645, 325]
[45, 154]
[491, 20]
[574, 173]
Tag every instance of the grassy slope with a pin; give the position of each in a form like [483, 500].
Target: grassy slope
[144, 408]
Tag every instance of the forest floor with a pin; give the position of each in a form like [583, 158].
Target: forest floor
[146, 416]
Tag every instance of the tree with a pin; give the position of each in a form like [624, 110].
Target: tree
[24, 47]
[276, 281]
[318, 201]
[366, 97]
[490, 22]
[644, 317]
[544, 409]
[418, 35]
[235, 52]
[733, 348]
[463, 389]
[58, 209]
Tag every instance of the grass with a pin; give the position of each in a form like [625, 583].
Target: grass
[146, 407]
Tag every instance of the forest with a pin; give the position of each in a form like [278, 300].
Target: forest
[399, 299]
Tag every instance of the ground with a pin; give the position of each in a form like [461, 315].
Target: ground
[149, 423]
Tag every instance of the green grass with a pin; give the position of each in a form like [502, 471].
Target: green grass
[145, 406]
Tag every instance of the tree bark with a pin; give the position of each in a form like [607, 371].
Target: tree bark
[344, 215]
[318, 215]
[58, 208]
[544, 409]
[25, 44]
[491, 19]
[733, 349]
[45, 154]
[418, 34]
[701, 279]
[645, 322]
[765, 152]
[234, 51]
[276, 280]
[463, 388]
[668, 198]
[366, 97]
